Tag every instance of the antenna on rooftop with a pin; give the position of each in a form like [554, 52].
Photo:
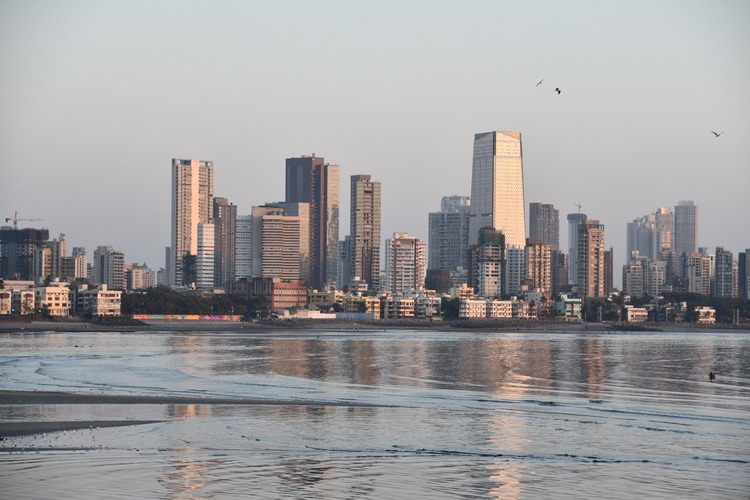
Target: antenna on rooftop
[579, 206]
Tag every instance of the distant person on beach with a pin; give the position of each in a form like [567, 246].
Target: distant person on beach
[711, 376]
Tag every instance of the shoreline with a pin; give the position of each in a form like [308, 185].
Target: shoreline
[335, 326]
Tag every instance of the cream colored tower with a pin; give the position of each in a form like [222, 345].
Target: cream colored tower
[497, 199]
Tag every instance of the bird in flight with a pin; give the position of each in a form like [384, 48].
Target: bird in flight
[717, 135]
[540, 82]
[558, 90]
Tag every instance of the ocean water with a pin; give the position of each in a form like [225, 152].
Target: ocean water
[384, 414]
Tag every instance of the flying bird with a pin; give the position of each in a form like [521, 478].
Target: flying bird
[558, 90]
[540, 82]
[717, 135]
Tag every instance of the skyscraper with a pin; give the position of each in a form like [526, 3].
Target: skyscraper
[192, 204]
[225, 236]
[591, 265]
[685, 228]
[108, 268]
[276, 244]
[497, 199]
[205, 265]
[574, 222]
[310, 180]
[723, 273]
[243, 267]
[448, 243]
[364, 230]
[544, 224]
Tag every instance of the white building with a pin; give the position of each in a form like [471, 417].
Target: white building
[54, 298]
[205, 260]
[99, 301]
[405, 263]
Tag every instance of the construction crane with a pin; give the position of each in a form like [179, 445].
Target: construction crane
[579, 206]
[15, 220]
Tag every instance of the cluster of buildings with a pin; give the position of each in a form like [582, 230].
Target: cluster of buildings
[478, 250]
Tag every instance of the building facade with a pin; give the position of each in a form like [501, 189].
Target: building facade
[243, 267]
[574, 223]
[685, 228]
[225, 241]
[590, 250]
[17, 248]
[364, 230]
[448, 240]
[544, 224]
[276, 244]
[109, 268]
[405, 263]
[310, 180]
[192, 204]
[205, 261]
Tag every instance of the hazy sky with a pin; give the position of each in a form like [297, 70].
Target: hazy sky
[97, 97]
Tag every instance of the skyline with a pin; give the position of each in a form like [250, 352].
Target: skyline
[94, 113]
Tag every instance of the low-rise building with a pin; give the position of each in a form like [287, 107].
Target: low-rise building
[99, 301]
[54, 298]
[569, 308]
[472, 308]
[705, 315]
[636, 314]
[499, 309]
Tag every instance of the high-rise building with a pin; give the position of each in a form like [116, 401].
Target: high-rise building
[608, 272]
[225, 234]
[544, 224]
[743, 275]
[695, 268]
[205, 259]
[192, 204]
[17, 248]
[302, 211]
[310, 180]
[109, 268]
[539, 266]
[448, 243]
[724, 273]
[590, 251]
[685, 228]
[139, 277]
[405, 263]
[497, 198]
[276, 244]
[651, 234]
[574, 223]
[364, 230]
[488, 263]
[243, 267]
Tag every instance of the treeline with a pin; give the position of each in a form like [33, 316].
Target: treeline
[163, 300]
[724, 306]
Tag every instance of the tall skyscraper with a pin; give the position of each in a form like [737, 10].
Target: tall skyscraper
[364, 230]
[544, 224]
[302, 211]
[225, 235]
[243, 247]
[497, 199]
[405, 263]
[192, 204]
[574, 223]
[448, 243]
[310, 180]
[591, 261]
[685, 228]
[723, 273]
[205, 260]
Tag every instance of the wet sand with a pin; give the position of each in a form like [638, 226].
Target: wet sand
[9, 397]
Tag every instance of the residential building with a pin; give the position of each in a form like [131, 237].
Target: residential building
[574, 222]
[139, 277]
[98, 301]
[302, 211]
[108, 268]
[590, 252]
[695, 268]
[488, 263]
[225, 241]
[275, 244]
[243, 247]
[724, 274]
[54, 298]
[310, 180]
[448, 240]
[539, 266]
[205, 259]
[405, 263]
[743, 274]
[364, 230]
[192, 204]
[544, 224]
[277, 294]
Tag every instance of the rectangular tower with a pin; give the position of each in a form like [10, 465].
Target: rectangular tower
[225, 236]
[448, 243]
[310, 180]
[574, 222]
[243, 247]
[497, 199]
[405, 264]
[365, 230]
[591, 261]
[192, 204]
[685, 228]
[544, 224]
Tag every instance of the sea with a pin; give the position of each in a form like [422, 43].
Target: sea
[383, 413]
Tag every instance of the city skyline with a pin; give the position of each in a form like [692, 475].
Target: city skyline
[629, 133]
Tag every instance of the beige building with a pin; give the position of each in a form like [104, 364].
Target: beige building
[539, 266]
[405, 263]
[591, 259]
[276, 250]
[100, 301]
[192, 204]
[54, 298]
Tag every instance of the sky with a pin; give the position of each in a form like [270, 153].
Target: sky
[97, 97]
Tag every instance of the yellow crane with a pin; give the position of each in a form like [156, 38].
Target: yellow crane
[15, 220]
